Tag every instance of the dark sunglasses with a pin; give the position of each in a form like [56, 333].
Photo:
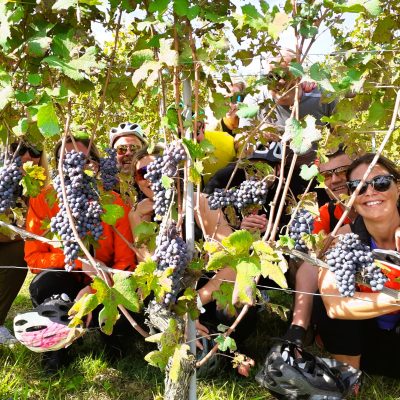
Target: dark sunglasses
[339, 171]
[380, 183]
[24, 148]
[123, 148]
[140, 173]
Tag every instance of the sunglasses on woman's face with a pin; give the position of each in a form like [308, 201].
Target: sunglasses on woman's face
[140, 173]
[34, 153]
[380, 183]
[123, 148]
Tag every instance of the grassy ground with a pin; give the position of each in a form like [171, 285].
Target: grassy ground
[91, 376]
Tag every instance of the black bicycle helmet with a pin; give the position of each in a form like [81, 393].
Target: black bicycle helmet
[303, 376]
[45, 328]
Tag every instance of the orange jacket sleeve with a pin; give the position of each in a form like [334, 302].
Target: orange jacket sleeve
[40, 255]
[113, 250]
[322, 223]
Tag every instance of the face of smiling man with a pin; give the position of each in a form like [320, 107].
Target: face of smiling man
[334, 172]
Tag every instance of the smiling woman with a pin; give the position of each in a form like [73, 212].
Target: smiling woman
[362, 330]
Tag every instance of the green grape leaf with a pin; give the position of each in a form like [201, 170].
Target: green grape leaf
[226, 343]
[223, 298]
[321, 75]
[145, 233]
[181, 7]
[245, 287]
[307, 173]
[47, 120]
[376, 112]
[6, 93]
[212, 246]
[64, 4]
[113, 212]
[239, 242]
[219, 105]
[286, 241]
[296, 69]
[38, 45]
[168, 341]
[195, 172]
[22, 127]
[195, 149]
[274, 270]
[279, 24]
[218, 260]
[187, 304]
[87, 61]
[25, 97]
[33, 179]
[141, 56]
[158, 5]
[166, 182]
[5, 31]
[250, 11]
[247, 110]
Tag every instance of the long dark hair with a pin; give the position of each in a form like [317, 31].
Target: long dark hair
[367, 158]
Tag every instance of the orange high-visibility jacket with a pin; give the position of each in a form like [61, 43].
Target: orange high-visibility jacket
[111, 250]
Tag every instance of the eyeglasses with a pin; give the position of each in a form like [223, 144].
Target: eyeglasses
[339, 171]
[35, 153]
[380, 183]
[123, 148]
[140, 173]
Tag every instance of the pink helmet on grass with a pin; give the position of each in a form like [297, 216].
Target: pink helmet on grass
[45, 328]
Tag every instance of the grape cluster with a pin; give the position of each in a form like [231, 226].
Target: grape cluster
[171, 252]
[303, 223]
[83, 203]
[166, 165]
[108, 169]
[350, 256]
[250, 192]
[10, 175]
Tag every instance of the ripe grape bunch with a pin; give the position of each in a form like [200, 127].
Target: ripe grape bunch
[349, 257]
[10, 176]
[250, 192]
[165, 165]
[171, 252]
[303, 223]
[108, 169]
[83, 203]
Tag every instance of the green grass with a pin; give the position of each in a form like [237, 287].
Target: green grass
[92, 377]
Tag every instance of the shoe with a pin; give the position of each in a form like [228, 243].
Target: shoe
[6, 338]
[53, 361]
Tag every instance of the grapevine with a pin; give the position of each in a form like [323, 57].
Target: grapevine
[351, 256]
[172, 252]
[165, 165]
[303, 223]
[250, 192]
[10, 176]
[109, 170]
[83, 202]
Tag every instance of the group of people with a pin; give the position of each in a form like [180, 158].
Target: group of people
[349, 328]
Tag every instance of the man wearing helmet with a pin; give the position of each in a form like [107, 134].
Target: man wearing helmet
[126, 139]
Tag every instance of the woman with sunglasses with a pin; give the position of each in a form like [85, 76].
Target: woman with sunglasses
[12, 250]
[213, 221]
[361, 330]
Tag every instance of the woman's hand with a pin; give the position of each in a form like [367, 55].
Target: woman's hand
[255, 222]
[201, 330]
[143, 211]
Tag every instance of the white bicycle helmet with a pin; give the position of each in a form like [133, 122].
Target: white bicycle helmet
[45, 328]
[126, 129]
